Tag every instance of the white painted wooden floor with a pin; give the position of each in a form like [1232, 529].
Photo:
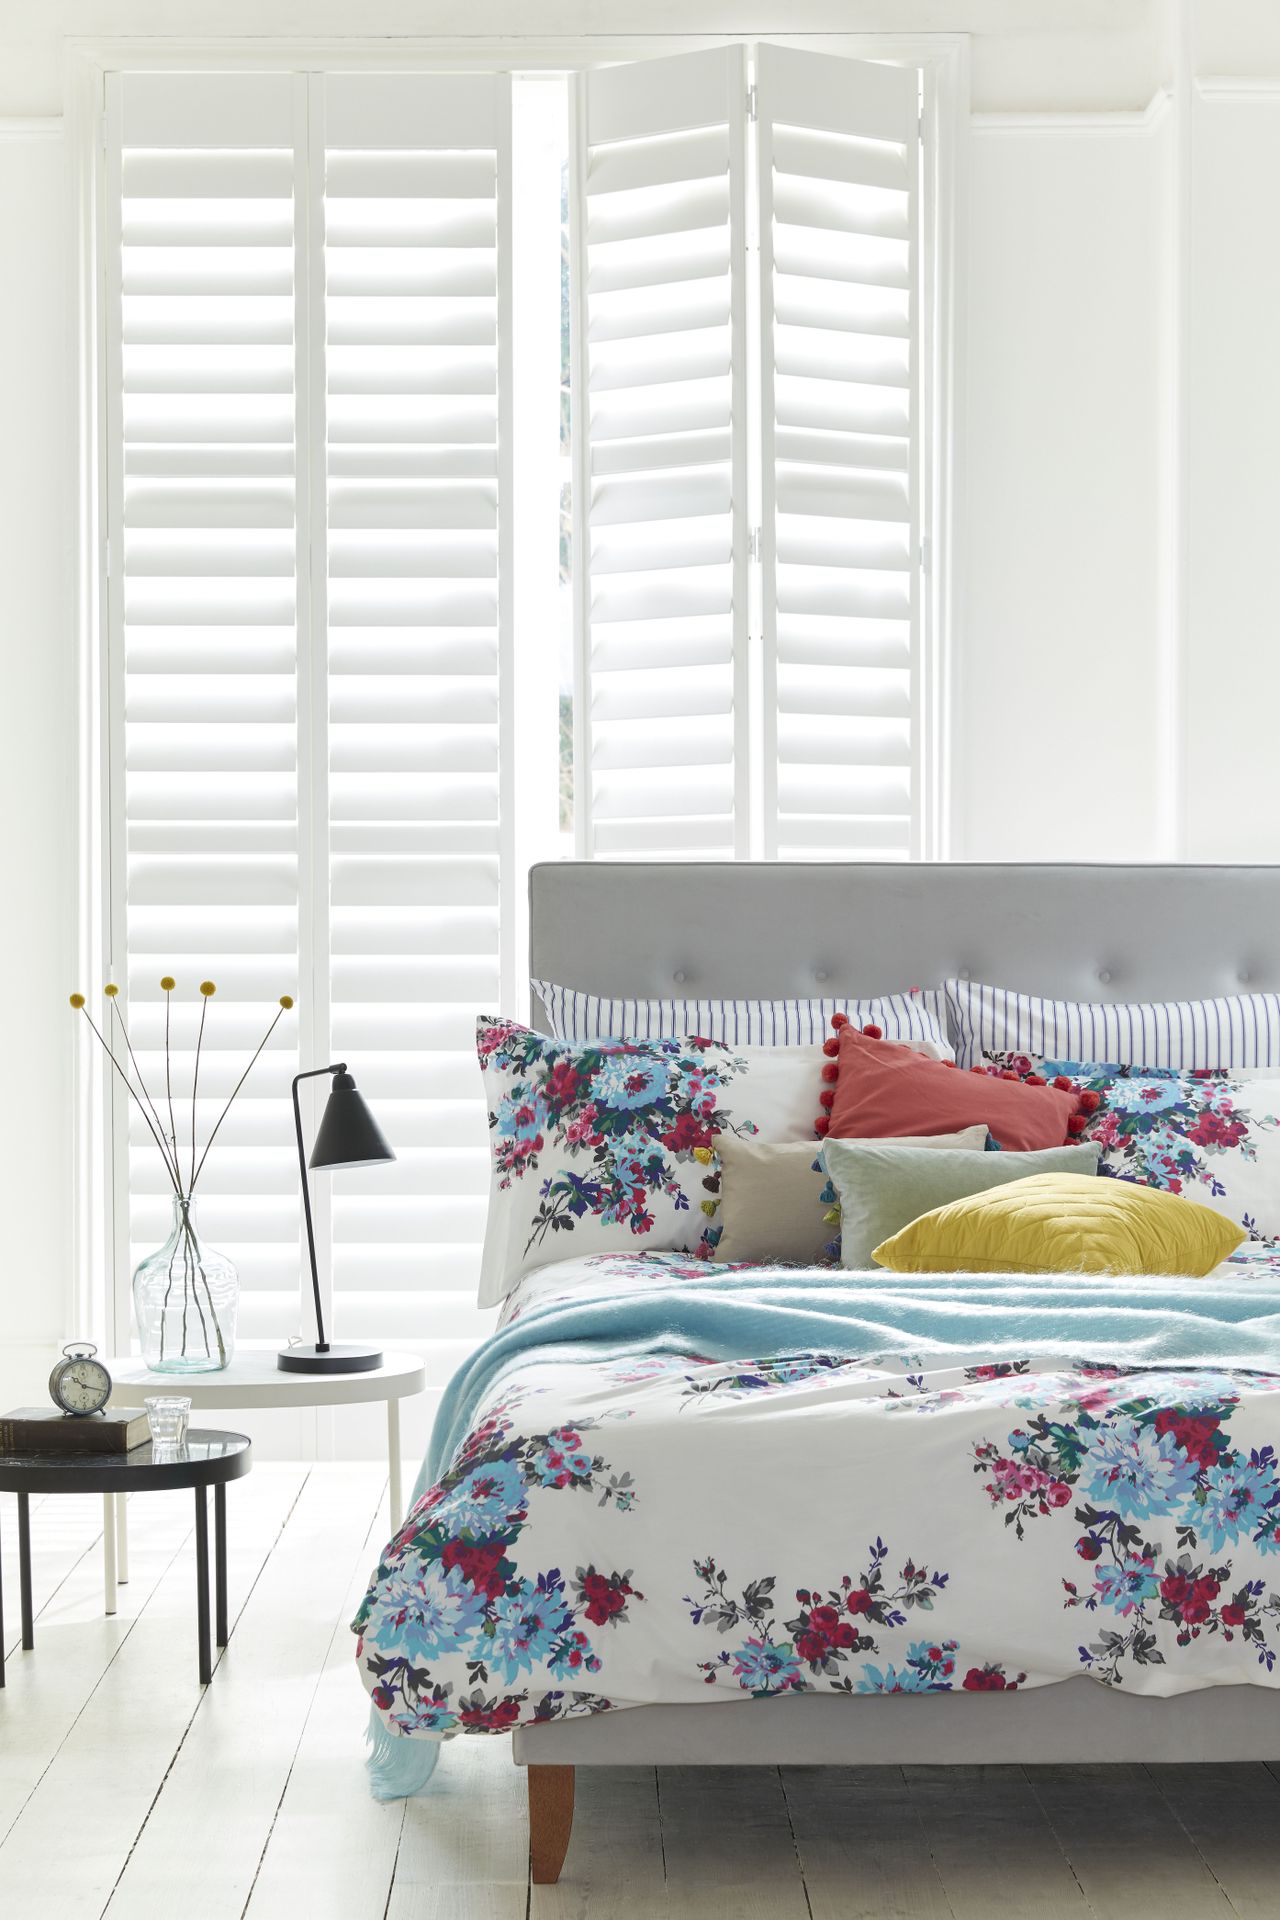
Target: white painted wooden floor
[127, 1791]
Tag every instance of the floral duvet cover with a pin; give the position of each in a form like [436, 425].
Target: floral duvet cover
[649, 1521]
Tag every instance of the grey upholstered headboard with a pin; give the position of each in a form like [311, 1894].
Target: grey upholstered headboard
[770, 930]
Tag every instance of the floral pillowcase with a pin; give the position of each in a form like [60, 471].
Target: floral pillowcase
[1211, 1133]
[608, 1146]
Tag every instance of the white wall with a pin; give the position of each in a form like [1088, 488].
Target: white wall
[1059, 640]
[1116, 666]
[37, 760]
[1232, 665]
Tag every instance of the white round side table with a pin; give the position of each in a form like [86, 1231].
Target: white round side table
[254, 1380]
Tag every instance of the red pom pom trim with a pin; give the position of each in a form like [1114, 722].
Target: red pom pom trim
[1076, 1125]
[1008, 1074]
[827, 1098]
[1063, 1084]
[948, 1063]
[831, 1072]
[839, 1020]
[874, 1033]
[822, 1125]
[831, 1048]
[1036, 1080]
[1090, 1101]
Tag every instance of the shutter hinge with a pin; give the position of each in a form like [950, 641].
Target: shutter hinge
[753, 544]
[752, 101]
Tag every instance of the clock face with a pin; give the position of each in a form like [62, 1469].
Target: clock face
[84, 1386]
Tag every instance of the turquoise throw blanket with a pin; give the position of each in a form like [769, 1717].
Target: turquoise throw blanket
[1230, 1319]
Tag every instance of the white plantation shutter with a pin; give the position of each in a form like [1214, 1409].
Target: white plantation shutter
[691, 423]
[309, 624]
[416, 306]
[837, 169]
[202, 619]
[661, 540]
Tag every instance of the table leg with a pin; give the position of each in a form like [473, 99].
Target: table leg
[394, 1498]
[24, 1571]
[109, 1552]
[122, 1539]
[220, 1561]
[202, 1586]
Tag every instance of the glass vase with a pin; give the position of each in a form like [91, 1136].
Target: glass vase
[185, 1296]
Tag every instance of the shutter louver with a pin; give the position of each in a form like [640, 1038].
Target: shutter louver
[416, 200]
[660, 494]
[838, 159]
[201, 514]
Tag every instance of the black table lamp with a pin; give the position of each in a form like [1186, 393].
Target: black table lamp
[348, 1136]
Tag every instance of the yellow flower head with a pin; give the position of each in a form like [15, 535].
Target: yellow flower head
[709, 1207]
[77, 1001]
[111, 989]
[207, 987]
[168, 983]
[286, 1001]
[703, 1155]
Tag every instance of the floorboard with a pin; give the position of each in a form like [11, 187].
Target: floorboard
[995, 1852]
[331, 1853]
[133, 1713]
[219, 1799]
[862, 1846]
[1124, 1843]
[128, 1792]
[1232, 1816]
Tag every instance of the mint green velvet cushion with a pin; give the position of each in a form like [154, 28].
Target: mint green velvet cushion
[883, 1186]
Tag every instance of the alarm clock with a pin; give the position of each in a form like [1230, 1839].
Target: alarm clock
[79, 1384]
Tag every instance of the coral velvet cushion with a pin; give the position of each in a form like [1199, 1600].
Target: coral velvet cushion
[1064, 1223]
[883, 1090]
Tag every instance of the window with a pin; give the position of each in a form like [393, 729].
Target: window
[490, 463]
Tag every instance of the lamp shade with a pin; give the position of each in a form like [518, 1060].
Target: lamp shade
[348, 1134]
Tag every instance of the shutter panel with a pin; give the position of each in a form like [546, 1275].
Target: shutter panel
[202, 641]
[416, 254]
[838, 166]
[660, 547]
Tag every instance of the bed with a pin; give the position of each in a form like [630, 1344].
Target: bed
[898, 1684]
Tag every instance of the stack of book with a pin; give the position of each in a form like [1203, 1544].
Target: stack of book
[44, 1430]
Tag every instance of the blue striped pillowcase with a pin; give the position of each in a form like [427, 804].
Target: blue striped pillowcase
[1237, 1030]
[576, 1016]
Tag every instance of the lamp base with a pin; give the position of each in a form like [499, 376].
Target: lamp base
[336, 1358]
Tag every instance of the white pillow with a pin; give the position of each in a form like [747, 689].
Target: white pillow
[1239, 1030]
[608, 1147]
[919, 1015]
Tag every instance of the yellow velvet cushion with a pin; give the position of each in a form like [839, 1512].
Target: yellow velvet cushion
[1064, 1223]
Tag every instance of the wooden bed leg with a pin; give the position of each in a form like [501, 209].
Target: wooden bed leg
[550, 1821]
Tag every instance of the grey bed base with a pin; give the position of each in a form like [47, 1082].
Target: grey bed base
[774, 931]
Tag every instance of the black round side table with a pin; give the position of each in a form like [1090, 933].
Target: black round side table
[206, 1459]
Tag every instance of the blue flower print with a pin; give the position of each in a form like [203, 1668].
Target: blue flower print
[521, 1116]
[1138, 1473]
[1143, 1096]
[427, 1614]
[484, 1500]
[760, 1668]
[525, 1624]
[626, 1081]
[1128, 1586]
[1239, 1499]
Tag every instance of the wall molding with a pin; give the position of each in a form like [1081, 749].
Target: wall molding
[48, 126]
[1126, 121]
[1243, 87]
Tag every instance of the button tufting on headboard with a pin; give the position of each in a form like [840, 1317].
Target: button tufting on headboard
[1170, 931]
